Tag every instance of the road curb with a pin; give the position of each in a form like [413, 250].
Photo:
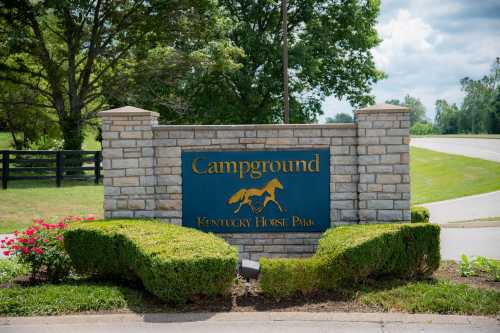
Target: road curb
[252, 317]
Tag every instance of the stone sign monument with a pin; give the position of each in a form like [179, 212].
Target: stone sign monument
[269, 189]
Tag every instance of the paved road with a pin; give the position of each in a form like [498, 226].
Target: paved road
[471, 242]
[466, 208]
[488, 149]
[288, 322]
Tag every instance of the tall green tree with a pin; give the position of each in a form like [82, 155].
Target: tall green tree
[417, 109]
[447, 117]
[479, 112]
[329, 43]
[63, 49]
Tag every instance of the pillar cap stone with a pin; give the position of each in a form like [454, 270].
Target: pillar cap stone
[127, 111]
[383, 107]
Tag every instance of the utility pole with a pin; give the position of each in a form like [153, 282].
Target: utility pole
[284, 11]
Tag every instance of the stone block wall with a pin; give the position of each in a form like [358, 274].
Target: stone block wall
[383, 159]
[128, 162]
[369, 175]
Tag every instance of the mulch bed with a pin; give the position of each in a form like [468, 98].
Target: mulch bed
[448, 270]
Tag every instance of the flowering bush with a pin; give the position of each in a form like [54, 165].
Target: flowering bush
[41, 247]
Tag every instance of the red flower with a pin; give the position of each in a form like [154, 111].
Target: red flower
[29, 232]
[6, 253]
[22, 240]
[45, 240]
[37, 250]
[26, 250]
[15, 247]
[31, 241]
[59, 237]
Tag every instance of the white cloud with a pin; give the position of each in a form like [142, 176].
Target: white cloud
[401, 35]
[428, 46]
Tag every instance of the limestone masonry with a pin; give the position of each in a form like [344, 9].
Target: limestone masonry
[369, 168]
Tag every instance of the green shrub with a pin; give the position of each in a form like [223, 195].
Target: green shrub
[40, 247]
[466, 266]
[489, 266]
[353, 253]
[419, 214]
[470, 267]
[282, 277]
[172, 262]
[422, 128]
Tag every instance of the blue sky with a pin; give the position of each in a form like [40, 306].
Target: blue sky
[428, 46]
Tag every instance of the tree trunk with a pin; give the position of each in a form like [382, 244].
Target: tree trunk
[72, 132]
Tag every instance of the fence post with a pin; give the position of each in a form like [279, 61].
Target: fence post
[5, 169]
[97, 167]
[59, 168]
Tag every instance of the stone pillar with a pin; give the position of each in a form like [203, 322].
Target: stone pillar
[128, 162]
[383, 163]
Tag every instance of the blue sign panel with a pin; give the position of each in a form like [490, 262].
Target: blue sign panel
[256, 191]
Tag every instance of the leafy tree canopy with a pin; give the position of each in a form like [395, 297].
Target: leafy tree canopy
[480, 110]
[62, 50]
[417, 109]
[194, 61]
[330, 46]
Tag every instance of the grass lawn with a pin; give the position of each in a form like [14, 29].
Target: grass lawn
[438, 176]
[435, 296]
[88, 144]
[25, 200]
[47, 299]
[466, 136]
[78, 295]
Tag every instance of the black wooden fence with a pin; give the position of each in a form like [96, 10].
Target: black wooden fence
[48, 164]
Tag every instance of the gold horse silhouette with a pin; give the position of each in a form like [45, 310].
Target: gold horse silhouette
[244, 196]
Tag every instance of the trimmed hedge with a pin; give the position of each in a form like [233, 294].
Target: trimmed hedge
[281, 277]
[352, 253]
[419, 214]
[172, 262]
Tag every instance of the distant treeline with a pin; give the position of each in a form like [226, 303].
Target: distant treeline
[479, 112]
